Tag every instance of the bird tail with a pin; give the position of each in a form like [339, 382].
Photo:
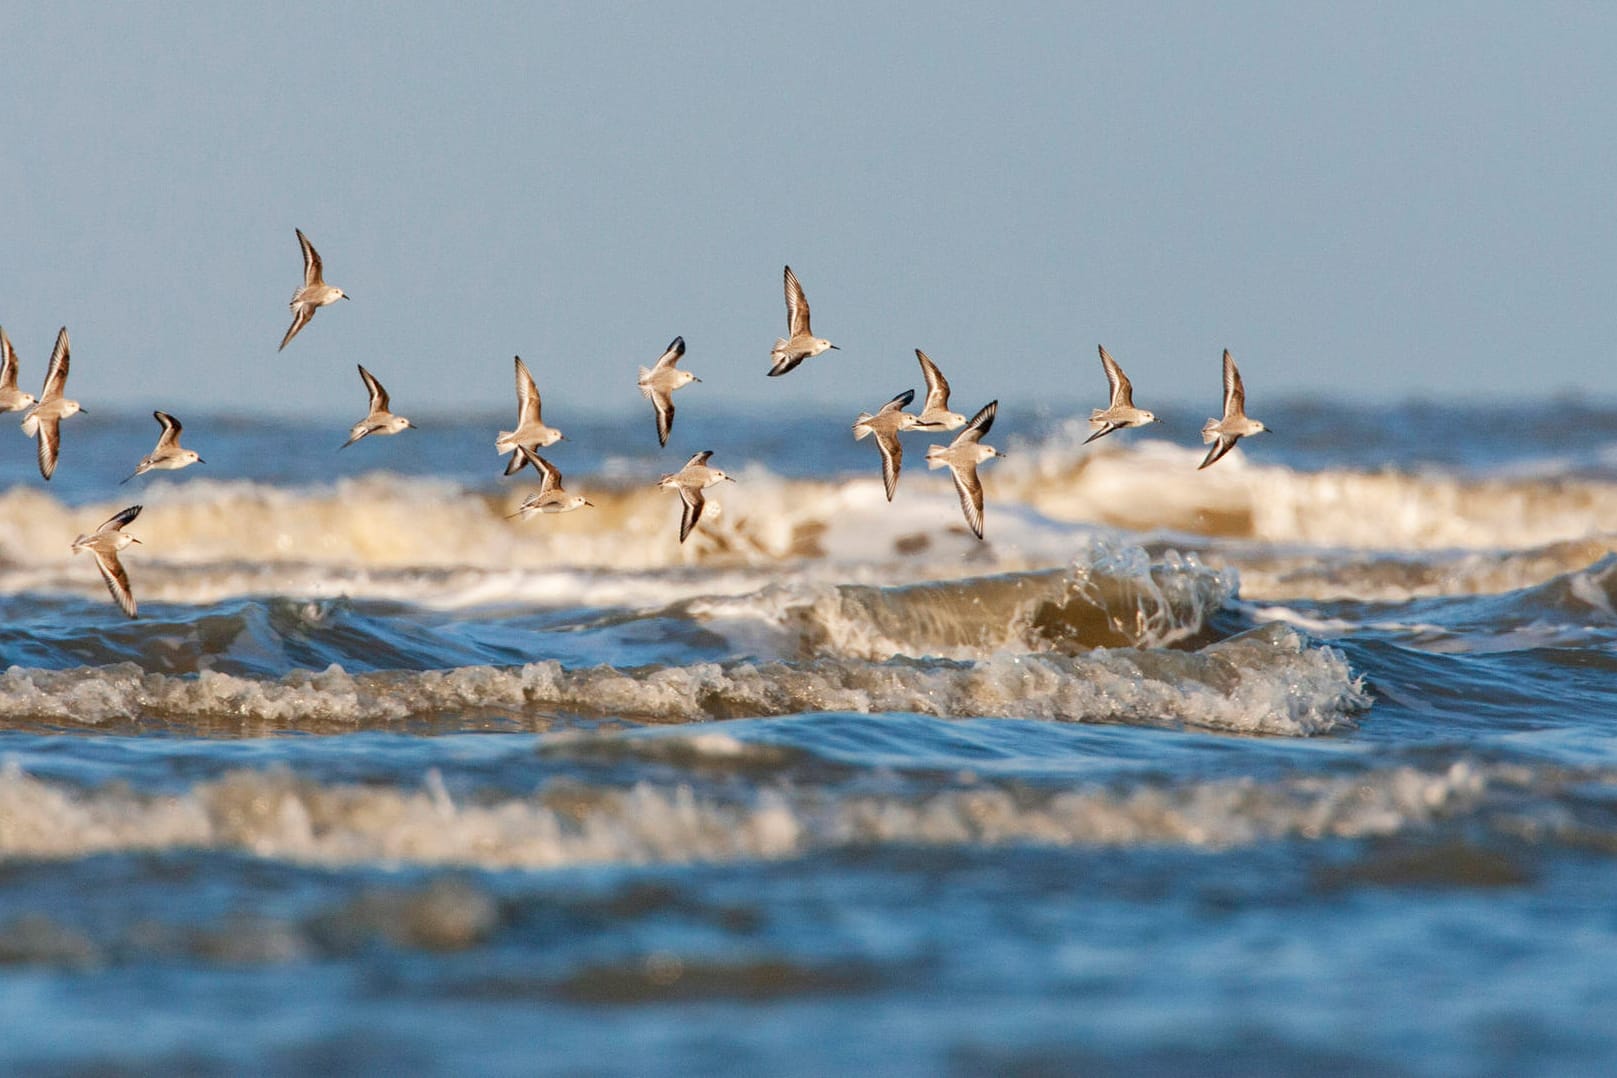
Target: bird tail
[859, 428]
[1210, 432]
[934, 457]
[645, 387]
[30, 424]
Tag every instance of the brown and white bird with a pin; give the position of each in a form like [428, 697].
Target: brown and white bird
[962, 456]
[531, 430]
[12, 399]
[378, 420]
[1119, 411]
[1222, 434]
[885, 425]
[935, 414]
[551, 498]
[45, 421]
[168, 454]
[690, 481]
[314, 294]
[800, 342]
[104, 543]
[658, 383]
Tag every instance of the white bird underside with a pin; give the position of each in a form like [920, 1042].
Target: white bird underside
[44, 422]
[800, 343]
[961, 457]
[531, 430]
[690, 481]
[659, 382]
[169, 454]
[1222, 434]
[378, 420]
[885, 425]
[104, 544]
[314, 294]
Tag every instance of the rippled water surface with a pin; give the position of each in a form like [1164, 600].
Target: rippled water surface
[1302, 762]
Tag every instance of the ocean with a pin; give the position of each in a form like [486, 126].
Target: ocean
[1304, 762]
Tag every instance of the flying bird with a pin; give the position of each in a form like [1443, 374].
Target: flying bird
[935, 414]
[962, 456]
[12, 399]
[690, 481]
[1119, 411]
[46, 418]
[659, 382]
[531, 430]
[1222, 434]
[314, 294]
[104, 543]
[552, 498]
[800, 342]
[379, 420]
[168, 454]
[885, 425]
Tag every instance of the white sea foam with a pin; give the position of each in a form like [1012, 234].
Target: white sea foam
[1264, 682]
[433, 542]
[1247, 498]
[274, 814]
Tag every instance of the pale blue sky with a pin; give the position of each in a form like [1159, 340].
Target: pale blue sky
[1362, 200]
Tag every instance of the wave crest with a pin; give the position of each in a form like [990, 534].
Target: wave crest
[1267, 681]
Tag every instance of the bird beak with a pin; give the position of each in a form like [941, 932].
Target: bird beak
[695, 379]
[837, 347]
[83, 410]
[345, 295]
[132, 539]
[589, 503]
[201, 461]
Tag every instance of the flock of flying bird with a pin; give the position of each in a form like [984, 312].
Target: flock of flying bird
[657, 383]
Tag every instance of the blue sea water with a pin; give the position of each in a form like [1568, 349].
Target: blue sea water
[1301, 763]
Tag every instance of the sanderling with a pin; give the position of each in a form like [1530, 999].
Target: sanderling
[314, 293]
[1224, 433]
[46, 418]
[935, 414]
[168, 454]
[1120, 411]
[690, 481]
[531, 430]
[659, 382]
[379, 420]
[885, 425]
[962, 456]
[12, 399]
[551, 497]
[799, 342]
[104, 543]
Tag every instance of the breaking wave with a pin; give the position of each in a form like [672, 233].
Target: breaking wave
[1155, 486]
[1267, 681]
[275, 814]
